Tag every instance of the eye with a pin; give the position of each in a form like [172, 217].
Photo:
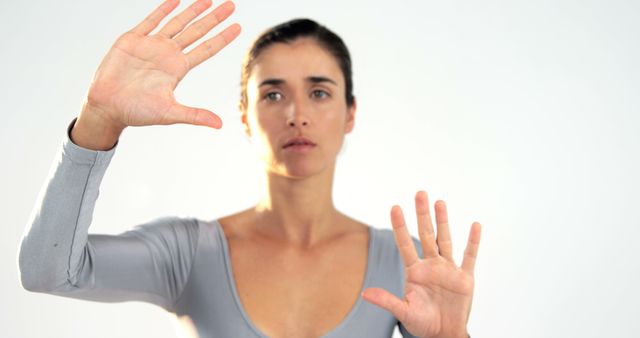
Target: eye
[273, 96]
[319, 94]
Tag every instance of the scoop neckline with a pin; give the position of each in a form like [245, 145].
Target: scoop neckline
[232, 284]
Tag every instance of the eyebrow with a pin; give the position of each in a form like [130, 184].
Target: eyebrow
[320, 79]
[312, 79]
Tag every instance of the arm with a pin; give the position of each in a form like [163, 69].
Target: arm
[133, 86]
[149, 263]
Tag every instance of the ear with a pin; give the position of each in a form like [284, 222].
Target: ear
[245, 123]
[243, 118]
[351, 117]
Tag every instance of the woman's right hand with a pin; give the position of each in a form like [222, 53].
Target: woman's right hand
[134, 84]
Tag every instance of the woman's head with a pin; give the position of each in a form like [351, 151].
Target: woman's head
[297, 87]
[289, 31]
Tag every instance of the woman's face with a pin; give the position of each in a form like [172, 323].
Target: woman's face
[297, 90]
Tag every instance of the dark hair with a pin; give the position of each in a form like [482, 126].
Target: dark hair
[289, 31]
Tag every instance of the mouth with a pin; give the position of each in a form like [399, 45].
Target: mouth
[299, 142]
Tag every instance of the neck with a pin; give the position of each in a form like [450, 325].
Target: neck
[298, 211]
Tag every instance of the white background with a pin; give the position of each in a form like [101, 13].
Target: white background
[522, 115]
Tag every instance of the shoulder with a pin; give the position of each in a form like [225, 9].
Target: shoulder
[168, 226]
[386, 246]
[169, 232]
[237, 225]
[387, 266]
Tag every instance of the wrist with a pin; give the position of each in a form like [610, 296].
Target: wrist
[462, 335]
[93, 131]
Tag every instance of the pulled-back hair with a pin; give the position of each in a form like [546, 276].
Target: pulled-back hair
[289, 31]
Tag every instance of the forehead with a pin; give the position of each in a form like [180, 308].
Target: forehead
[295, 61]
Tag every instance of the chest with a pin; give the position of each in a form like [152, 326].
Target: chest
[289, 293]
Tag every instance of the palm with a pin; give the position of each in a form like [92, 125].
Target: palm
[438, 293]
[435, 292]
[136, 79]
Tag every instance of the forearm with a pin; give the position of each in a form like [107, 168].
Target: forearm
[56, 234]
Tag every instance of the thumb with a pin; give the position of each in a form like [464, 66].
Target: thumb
[195, 116]
[387, 301]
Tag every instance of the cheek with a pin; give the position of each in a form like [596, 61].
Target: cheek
[335, 121]
[266, 129]
[333, 128]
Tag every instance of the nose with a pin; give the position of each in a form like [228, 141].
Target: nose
[298, 122]
[298, 116]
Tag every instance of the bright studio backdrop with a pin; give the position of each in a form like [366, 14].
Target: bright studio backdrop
[523, 115]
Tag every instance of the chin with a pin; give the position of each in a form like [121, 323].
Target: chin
[299, 170]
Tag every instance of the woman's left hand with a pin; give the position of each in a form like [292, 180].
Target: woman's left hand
[438, 293]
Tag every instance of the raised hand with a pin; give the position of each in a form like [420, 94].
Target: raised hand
[134, 84]
[438, 294]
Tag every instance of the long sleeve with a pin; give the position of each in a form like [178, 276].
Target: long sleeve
[151, 262]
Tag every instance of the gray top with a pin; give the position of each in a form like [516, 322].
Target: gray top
[179, 264]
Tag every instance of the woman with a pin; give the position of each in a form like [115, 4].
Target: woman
[291, 266]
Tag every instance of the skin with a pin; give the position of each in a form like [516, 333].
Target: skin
[287, 251]
[295, 225]
[298, 191]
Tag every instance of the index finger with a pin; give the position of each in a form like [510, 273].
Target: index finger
[403, 238]
[153, 19]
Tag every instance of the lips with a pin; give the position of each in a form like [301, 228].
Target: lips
[298, 141]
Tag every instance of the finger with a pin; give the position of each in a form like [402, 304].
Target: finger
[201, 27]
[152, 21]
[425, 227]
[212, 46]
[195, 116]
[471, 252]
[444, 236]
[179, 22]
[387, 301]
[403, 238]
